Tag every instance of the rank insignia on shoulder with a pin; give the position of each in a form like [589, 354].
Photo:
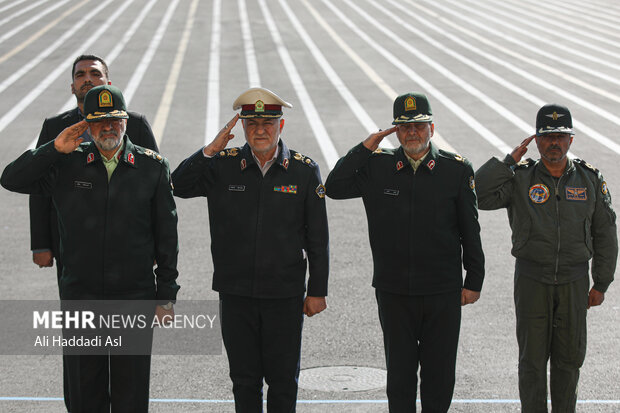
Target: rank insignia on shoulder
[378, 150]
[232, 152]
[222, 153]
[576, 194]
[472, 182]
[587, 165]
[320, 191]
[539, 193]
[302, 158]
[459, 157]
[399, 165]
[286, 189]
[604, 189]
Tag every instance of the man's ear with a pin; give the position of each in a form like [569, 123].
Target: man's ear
[281, 125]
[432, 129]
[72, 89]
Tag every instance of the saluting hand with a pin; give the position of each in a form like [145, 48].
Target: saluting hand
[374, 139]
[519, 151]
[314, 305]
[69, 138]
[222, 138]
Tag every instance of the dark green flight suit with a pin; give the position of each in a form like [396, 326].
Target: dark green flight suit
[109, 247]
[423, 230]
[558, 225]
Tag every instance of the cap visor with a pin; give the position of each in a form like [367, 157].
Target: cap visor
[412, 119]
[117, 114]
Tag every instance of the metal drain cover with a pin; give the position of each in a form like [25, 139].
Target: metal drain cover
[342, 378]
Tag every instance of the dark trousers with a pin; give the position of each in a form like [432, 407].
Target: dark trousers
[263, 340]
[420, 331]
[551, 324]
[97, 383]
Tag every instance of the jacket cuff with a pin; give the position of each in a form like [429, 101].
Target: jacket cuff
[601, 287]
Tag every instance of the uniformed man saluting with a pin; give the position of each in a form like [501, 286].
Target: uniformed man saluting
[127, 221]
[423, 227]
[561, 217]
[268, 222]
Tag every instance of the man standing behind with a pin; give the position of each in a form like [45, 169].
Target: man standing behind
[268, 222]
[561, 217]
[129, 220]
[87, 72]
[423, 227]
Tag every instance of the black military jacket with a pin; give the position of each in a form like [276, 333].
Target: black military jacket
[262, 228]
[43, 220]
[110, 233]
[423, 226]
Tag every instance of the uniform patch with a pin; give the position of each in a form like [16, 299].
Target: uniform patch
[287, 189]
[393, 192]
[131, 159]
[90, 157]
[244, 164]
[472, 182]
[604, 189]
[431, 164]
[320, 191]
[105, 99]
[576, 194]
[539, 193]
[399, 165]
[83, 185]
[236, 188]
[285, 163]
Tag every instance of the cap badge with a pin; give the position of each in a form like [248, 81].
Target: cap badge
[555, 115]
[105, 99]
[539, 193]
[410, 104]
[90, 157]
[431, 164]
[399, 165]
[259, 106]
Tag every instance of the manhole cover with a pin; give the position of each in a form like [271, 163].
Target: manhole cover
[342, 378]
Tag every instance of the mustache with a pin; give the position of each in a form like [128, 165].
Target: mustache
[87, 85]
[554, 147]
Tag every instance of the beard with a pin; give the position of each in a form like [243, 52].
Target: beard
[554, 154]
[109, 140]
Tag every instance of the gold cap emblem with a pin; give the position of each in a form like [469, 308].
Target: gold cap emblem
[410, 103]
[105, 99]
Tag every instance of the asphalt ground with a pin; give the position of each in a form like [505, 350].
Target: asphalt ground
[486, 66]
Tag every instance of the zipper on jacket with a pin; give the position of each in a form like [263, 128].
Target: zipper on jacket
[557, 213]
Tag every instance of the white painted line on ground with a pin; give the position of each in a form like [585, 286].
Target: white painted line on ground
[248, 45]
[39, 32]
[427, 87]
[212, 124]
[9, 116]
[325, 143]
[10, 6]
[324, 401]
[58, 43]
[145, 62]
[161, 117]
[22, 11]
[120, 46]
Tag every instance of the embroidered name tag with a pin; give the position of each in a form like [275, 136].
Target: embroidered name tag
[83, 185]
[236, 188]
[392, 192]
[287, 189]
[576, 194]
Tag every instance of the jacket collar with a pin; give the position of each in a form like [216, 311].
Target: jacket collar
[570, 167]
[429, 163]
[282, 160]
[127, 155]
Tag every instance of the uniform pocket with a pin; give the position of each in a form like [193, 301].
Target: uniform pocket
[521, 234]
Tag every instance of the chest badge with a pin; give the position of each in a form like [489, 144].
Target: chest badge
[236, 188]
[286, 189]
[539, 193]
[576, 194]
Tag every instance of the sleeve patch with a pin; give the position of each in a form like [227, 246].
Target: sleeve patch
[320, 191]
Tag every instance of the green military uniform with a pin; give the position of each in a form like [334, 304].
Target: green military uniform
[423, 229]
[558, 225]
[108, 251]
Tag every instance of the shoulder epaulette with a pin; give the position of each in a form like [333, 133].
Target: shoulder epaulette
[226, 153]
[383, 151]
[586, 165]
[150, 153]
[302, 158]
[453, 156]
[526, 163]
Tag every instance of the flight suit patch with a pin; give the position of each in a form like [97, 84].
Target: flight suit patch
[539, 193]
[576, 194]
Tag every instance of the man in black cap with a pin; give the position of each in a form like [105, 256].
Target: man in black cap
[268, 223]
[560, 214]
[423, 226]
[129, 221]
[87, 72]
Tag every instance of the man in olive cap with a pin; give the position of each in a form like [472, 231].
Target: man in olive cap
[560, 214]
[423, 226]
[268, 224]
[130, 221]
